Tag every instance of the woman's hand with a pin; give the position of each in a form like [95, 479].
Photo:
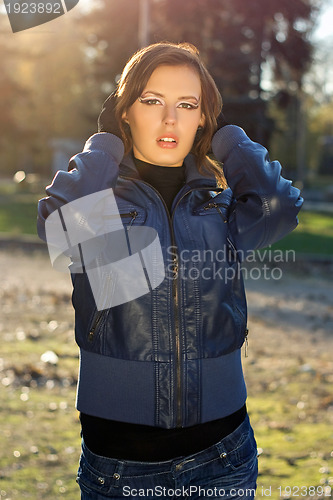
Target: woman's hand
[107, 119]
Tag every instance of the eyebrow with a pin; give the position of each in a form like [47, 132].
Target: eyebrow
[161, 95]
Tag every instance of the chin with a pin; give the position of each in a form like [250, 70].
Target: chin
[169, 160]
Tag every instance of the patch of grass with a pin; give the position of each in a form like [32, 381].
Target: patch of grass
[39, 426]
[297, 455]
[39, 443]
[18, 213]
[313, 235]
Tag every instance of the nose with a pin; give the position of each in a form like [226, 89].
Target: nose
[170, 115]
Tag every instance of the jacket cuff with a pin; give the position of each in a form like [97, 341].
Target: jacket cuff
[225, 139]
[106, 142]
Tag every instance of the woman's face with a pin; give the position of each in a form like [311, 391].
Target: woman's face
[165, 118]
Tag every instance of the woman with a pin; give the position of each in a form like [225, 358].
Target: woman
[161, 391]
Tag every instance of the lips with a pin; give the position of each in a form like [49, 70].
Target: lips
[167, 141]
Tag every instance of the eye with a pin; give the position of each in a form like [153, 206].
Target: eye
[188, 105]
[149, 101]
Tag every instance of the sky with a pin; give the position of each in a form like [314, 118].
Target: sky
[325, 23]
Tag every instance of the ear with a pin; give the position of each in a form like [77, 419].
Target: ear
[124, 117]
[202, 120]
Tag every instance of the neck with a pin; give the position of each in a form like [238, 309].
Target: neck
[143, 162]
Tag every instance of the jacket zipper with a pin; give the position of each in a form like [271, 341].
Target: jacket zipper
[217, 206]
[176, 303]
[175, 299]
[246, 334]
[175, 270]
[176, 308]
[177, 339]
[97, 320]
[99, 315]
[133, 216]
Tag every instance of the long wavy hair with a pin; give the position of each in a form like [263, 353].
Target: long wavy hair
[134, 79]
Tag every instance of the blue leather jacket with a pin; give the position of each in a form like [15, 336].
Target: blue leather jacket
[171, 357]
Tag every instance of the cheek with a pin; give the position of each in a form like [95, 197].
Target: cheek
[135, 126]
[142, 122]
[192, 121]
[191, 126]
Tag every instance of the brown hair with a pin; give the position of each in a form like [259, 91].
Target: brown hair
[135, 76]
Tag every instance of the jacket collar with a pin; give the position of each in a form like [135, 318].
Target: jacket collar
[193, 177]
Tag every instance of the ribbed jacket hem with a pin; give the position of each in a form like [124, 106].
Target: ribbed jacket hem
[125, 390]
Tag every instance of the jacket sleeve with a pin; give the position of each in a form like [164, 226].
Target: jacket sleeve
[93, 170]
[266, 205]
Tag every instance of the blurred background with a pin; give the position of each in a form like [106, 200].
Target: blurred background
[273, 63]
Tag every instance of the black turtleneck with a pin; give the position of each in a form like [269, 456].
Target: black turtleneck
[166, 180]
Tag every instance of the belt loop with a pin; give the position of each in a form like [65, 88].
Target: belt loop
[117, 474]
[221, 450]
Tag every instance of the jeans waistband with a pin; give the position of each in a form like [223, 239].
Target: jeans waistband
[111, 466]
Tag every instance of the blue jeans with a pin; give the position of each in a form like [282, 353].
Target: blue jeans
[226, 470]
